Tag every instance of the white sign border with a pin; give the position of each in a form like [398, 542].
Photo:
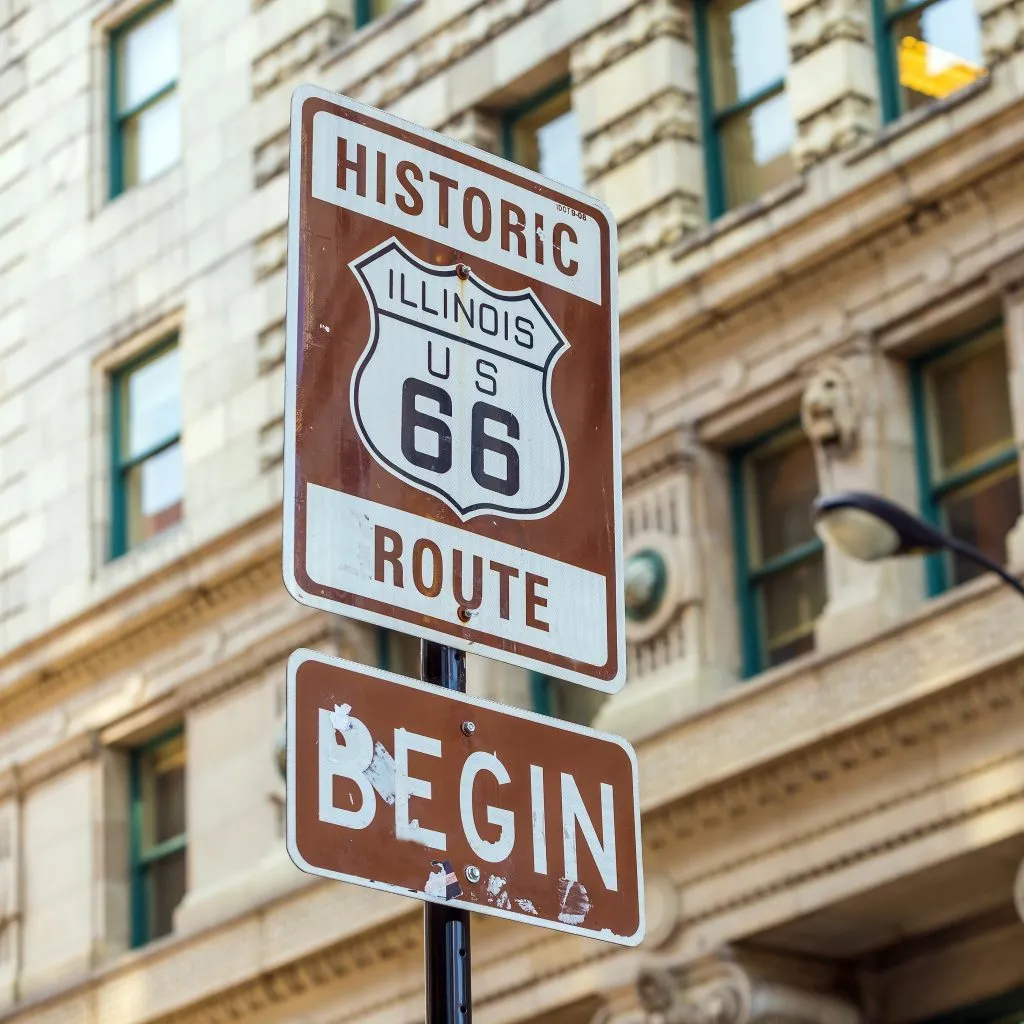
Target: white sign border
[306, 92]
[303, 655]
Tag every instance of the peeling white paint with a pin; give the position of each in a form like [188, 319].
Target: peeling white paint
[381, 774]
[340, 719]
[437, 883]
[495, 884]
[527, 907]
[575, 901]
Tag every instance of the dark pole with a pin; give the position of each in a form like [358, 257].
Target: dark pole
[446, 928]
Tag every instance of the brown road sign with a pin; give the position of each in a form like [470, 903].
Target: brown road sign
[399, 785]
[452, 433]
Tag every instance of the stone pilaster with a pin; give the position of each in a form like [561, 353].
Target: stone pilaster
[832, 82]
[681, 638]
[10, 901]
[475, 128]
[856, 411]
[1013, 320]
[1002, 29]
[634, 83]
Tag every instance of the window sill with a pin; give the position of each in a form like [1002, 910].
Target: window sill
[740, 215]
[905, 124]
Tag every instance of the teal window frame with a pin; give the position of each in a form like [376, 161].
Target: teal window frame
[513, 115]
[541, 697]
[712, 120]
[938, 577]
[142, 860]
[363, 15]
[118, 117]
[120, 465]
[885, 53]
[753, 648]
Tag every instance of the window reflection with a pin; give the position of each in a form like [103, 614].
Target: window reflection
[752, 130]
[936, 51]
[545, 137]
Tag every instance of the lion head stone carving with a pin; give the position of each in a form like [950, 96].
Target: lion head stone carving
[828, 410]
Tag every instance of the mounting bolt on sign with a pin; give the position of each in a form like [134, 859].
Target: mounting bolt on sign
[458, 479]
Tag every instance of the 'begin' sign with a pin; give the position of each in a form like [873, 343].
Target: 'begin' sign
[398, 785]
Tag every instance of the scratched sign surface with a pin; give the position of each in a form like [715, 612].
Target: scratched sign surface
[402, 786]
[451, 430]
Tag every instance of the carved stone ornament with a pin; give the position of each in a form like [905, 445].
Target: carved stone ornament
[719, 997]
[652, 584]
[829, 410]
[723, 991]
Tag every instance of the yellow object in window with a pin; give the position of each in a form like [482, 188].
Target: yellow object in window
[932, 71]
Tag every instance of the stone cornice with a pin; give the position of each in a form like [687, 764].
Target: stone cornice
[433, 53]
[660, 455]
[897, 189]
[143, 617]
[957, 659]
[291, 980]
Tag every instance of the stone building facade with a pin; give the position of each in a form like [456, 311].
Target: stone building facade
[821, 245]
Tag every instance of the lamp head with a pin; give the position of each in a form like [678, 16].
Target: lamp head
[868, 527]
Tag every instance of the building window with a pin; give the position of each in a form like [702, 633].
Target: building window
[145, 118]
[368, 10]
[398, 653]
[779, 560]
[967, 458]
[543, 134]
[748, 128]
[148, 477]
[927, 49]
[561, 699]
[158, 873]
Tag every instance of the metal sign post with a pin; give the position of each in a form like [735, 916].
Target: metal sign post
[446, 952]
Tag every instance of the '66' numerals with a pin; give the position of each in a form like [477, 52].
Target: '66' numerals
[417, 393]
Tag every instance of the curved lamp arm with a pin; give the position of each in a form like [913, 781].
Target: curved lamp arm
[868, 526]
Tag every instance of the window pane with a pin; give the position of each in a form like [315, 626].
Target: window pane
[148, 57]
[403, 654]
[152, 140]
[749, 49]
[573, 703]
[938, 51]
[153, 396]
[547, 140]
[163, 792]
[982, 515]
[560, 150]
[756, 147]
[791, 600]
[166, 890]
[379, 7]
[155, 489]
[785, 484]
[970, 406]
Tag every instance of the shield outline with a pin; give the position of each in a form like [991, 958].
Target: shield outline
[562, 344]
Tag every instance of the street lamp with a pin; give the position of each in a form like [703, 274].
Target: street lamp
[868, 527]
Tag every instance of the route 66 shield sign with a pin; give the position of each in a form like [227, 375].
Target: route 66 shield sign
[453, 392]
[451, 396]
